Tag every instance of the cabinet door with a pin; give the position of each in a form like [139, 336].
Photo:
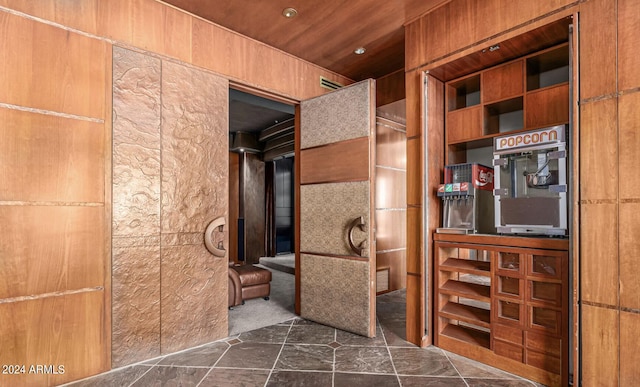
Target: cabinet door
[464, 124]
[503, 82]
[547, 107]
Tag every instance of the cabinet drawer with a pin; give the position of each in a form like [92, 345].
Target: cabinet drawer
[508, 312]
[543, 361]
[510, 264]
[509, 286]
[546, 265]
[508, 350]
[513, 335]
[545, 319]
[547, 292]
[544, 343]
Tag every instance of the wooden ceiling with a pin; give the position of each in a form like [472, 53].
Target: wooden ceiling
[324, 32]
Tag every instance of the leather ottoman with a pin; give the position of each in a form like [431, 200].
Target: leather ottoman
[247, 282]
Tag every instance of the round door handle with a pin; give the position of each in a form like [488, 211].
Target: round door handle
[359, 249]
[209, 243]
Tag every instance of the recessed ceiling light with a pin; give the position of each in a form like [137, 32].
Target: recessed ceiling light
[359, 50]
[289, 13]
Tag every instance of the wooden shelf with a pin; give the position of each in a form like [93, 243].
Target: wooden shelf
[468, 335]
[526, 93]
[467, 313]
[467, 266]
[467, 290]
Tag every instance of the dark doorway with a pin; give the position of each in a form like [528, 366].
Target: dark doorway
[284, 210]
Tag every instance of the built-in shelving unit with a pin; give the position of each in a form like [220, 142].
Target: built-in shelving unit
[527, 93]
[504, 300]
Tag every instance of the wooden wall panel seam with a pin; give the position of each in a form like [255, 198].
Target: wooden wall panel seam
[51, 113]
[51, 294]
[598, 201]
[51, 204]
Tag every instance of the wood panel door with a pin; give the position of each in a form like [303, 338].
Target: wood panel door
[336, 250]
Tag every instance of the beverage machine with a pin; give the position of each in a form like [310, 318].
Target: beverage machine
[467, 195]
[530, 170]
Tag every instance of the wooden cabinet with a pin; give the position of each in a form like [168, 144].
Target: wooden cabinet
[504, 301]
[526, 93]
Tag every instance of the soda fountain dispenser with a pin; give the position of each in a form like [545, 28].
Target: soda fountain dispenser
[467, 199]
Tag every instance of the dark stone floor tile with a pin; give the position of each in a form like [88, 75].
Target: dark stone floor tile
[498, 383]
[431, 381]
[305, 332]
[369, 380]
[289, 322]
[228, 377]
[472, 369]
[397, 296]
[271, 334]
[300, 379]
[153, 361]
[119, 377]
[172, 376]
[251, 355]
[348, 338]
[205, 356]
[305, 357]
[395, 336]
[364, 359]
[422, 361]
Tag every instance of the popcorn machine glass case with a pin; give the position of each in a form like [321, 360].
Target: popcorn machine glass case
[530, 189]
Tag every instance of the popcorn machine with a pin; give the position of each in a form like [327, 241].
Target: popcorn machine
[530, 171]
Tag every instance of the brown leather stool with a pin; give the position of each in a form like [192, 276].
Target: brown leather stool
[247, 282]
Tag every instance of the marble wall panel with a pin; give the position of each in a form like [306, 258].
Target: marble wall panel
[337, 116]
[326, 211]
[335, 292]
[136, 143]
[136, 300]
[195, 156]
[254, 208]
[194, 297]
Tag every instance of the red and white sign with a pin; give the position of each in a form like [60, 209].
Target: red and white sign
[527, 139]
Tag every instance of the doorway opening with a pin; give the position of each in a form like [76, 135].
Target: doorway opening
[261, 154]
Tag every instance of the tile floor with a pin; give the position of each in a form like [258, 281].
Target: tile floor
[303, 353]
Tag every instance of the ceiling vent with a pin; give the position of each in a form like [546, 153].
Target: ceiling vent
[327, 84]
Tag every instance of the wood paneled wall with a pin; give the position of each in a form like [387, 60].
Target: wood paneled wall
[157, 27]
[609, 196]
[54, 206]
[55, 161]
[607, 152]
